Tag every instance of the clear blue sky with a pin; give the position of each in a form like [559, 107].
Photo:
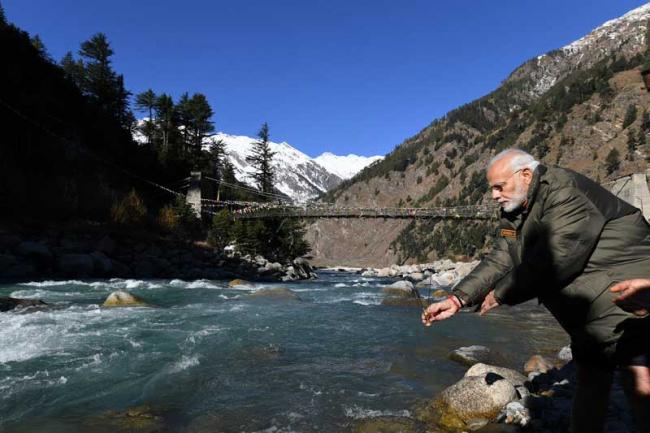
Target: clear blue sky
[327, 75]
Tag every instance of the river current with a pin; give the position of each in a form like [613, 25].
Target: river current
[209, 358]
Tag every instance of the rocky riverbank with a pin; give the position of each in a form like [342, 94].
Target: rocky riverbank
[494, 399]
[96, 253]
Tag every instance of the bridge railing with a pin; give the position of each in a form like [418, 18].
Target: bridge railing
[325, 211]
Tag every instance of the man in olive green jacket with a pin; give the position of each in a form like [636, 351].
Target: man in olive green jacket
[565, 240]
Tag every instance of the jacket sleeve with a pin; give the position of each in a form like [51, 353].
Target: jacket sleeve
[494, 266]
[568, 231]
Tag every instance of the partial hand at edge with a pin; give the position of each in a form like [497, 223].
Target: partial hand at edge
[489, 303]
[634, 295]
[439, 311]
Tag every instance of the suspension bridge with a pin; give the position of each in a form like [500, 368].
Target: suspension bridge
[279, 206]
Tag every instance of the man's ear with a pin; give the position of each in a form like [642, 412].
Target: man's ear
[527, 174]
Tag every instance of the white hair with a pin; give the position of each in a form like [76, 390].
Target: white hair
[519, 159]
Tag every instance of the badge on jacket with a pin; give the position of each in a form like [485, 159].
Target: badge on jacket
[508, 233]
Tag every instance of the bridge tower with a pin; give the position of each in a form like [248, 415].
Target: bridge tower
[193, 197]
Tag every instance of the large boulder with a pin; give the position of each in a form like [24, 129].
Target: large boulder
[75, 265]
[402, 289]
[122, 298]
[238, 282]
[36, 252]
[7, 304]
[102, 265]
[276, 293]
[473, 401]
[470, 355]
[384, 272]
[446, 278]
[514, 377]
[396, 301]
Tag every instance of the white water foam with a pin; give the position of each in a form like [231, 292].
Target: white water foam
[202, 284]
[357, 412]
[51, 283]
[185, 363]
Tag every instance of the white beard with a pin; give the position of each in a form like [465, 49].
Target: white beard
[517, 200]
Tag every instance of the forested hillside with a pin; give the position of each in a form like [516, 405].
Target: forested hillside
[584, 107]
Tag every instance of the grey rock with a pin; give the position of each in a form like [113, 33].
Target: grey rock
[77, 265]
[276, 293]
[7, 304]
[512, 376]
[102, 264]
[475, 354]
[515, 413]
[401, 289]
[368, 274]
[35, 251]
[415, 277]
[475, 400]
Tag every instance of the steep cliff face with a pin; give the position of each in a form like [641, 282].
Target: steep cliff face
[576, 107]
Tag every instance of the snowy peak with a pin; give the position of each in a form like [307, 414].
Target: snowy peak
[624, 36]
[345, 167]
[297, 175]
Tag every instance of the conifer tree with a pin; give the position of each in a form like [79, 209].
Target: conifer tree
[194, 118]
[146, 102]
[261, 158]
[37, 42]
[101, 83]
[165, 121]
[73, 69]
[3, 17]
[217, 156]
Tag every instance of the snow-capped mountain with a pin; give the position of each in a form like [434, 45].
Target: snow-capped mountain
[623, 36]
[345, 166]
[297, 175]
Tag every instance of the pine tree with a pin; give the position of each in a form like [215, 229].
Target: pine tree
[217, 156]
[194, 118]
[146, 102]
[73, 69]
[37, 42]
[261, 159]
[165, 121]
[221, 232]
[101, 83]
[3, 17]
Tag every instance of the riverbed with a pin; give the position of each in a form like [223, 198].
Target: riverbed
[206, 357]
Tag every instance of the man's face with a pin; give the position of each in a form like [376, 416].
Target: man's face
[509, 188]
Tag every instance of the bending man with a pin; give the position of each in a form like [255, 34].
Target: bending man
[565, 240]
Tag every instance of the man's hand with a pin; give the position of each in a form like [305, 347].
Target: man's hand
[440, 311]
[634, 295]
[489, 303]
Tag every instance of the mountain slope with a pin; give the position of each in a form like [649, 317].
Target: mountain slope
[570, 107]
[297, 175]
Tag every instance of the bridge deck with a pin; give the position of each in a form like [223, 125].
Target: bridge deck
[462, 212]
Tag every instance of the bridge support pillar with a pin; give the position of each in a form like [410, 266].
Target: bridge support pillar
[193, 197]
